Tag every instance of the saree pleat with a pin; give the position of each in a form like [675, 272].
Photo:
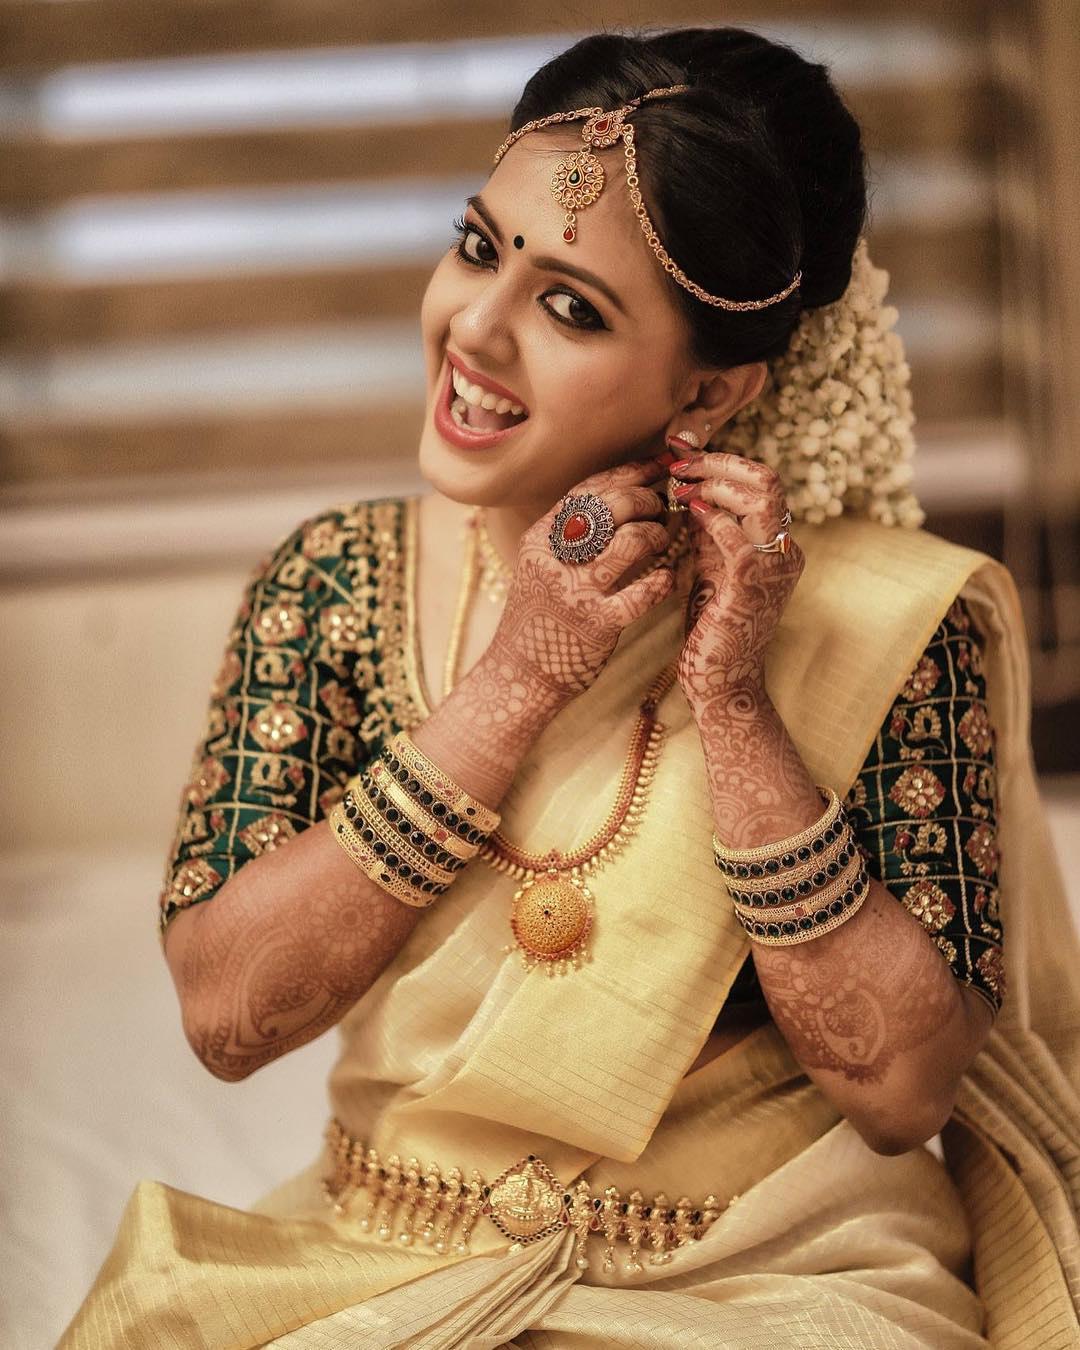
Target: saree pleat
[458, 1056]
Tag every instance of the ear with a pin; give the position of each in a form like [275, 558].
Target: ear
[717, 395]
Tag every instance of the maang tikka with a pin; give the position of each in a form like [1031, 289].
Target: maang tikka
[578, 181]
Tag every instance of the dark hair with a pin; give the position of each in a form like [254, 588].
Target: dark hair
[762, 170]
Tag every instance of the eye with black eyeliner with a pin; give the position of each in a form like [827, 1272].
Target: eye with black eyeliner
[464, 228]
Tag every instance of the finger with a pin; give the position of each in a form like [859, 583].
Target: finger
[642, 594]
[630, 474]
[731, 540]
[720, 465]
[721, 529]
[759, 513]
[634, 503]
[621, 475]
[629, 545]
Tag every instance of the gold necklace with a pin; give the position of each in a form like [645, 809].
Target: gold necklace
[495, 575]
[551, 913]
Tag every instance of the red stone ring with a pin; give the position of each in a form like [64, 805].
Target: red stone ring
[582, 529]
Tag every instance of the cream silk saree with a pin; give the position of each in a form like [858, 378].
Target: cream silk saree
[458, 1055]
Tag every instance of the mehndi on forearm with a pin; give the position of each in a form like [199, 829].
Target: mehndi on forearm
[870, 1009]
[299, 934]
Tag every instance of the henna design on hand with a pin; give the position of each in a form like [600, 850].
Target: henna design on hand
[560, 620]
[727, 643]
[701, 592]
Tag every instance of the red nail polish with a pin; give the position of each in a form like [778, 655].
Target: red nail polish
[698, 505]
[679, 465]
[683, 490]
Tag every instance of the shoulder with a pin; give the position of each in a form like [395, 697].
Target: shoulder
[866, 579]
[340, 531]
[903, 558]
[334, 562]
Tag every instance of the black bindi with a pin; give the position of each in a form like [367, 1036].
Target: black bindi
[518, 241]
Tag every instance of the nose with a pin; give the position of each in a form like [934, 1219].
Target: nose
[482, 329]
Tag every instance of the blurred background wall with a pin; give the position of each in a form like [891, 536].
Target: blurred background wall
[218, 218]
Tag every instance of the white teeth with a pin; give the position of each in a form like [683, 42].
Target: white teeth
[482, 398]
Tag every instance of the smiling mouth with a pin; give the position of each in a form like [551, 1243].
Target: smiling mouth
[476, 409]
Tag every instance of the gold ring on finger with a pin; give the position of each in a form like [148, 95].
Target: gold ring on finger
[781, 544]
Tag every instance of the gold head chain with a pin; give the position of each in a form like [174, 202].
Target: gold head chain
[578, 181]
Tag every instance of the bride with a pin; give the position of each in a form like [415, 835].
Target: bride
[710, 765]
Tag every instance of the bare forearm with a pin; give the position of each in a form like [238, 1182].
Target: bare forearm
[291, 942]
[871, 1010]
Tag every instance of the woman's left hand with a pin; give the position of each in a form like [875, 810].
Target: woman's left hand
[738, 592]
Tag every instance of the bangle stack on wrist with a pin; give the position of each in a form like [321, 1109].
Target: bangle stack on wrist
[408, 826]
[799, 888]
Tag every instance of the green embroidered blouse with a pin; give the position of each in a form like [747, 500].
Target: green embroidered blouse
[313, 681]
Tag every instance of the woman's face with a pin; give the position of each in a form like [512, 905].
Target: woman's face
[601, 365]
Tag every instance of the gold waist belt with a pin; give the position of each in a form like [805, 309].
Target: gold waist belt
[526, 1202]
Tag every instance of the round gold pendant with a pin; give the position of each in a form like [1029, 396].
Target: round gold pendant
[551, 917]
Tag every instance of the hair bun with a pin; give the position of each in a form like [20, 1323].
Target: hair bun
[815, 137]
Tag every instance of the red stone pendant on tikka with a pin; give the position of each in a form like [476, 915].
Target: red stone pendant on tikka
[577, 181]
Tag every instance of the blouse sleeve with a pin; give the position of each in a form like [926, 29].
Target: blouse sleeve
[923, 810]
[288, 720]
[923, 805]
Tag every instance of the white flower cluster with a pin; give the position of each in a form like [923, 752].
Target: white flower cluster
[835, 416]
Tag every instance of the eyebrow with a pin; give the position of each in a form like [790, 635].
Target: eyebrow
[547, 263]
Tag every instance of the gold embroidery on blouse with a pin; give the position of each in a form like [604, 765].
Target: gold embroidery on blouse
[982, 849]
[210, 776]
[929, 904]
[398, 706]
[277, 726]
[280, 621]
[267, 833]
[918, 791]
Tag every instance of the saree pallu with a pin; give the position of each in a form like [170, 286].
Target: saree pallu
[457, 1055]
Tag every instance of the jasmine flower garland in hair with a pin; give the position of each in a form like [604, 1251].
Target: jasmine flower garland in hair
[835, 417]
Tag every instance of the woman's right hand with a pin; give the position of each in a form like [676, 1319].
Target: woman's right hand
[562, 620]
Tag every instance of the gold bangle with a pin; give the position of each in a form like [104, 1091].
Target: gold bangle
[367, 813]
[442, 785]
[420, 816]
[765, 852]
[790, 932]
[360, 852]
[362, 797]
[793, 877]
[814, 900]
[819, 930]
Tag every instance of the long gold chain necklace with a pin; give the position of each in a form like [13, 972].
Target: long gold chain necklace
[552, 911]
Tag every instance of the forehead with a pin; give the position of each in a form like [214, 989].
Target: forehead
[609, 238]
